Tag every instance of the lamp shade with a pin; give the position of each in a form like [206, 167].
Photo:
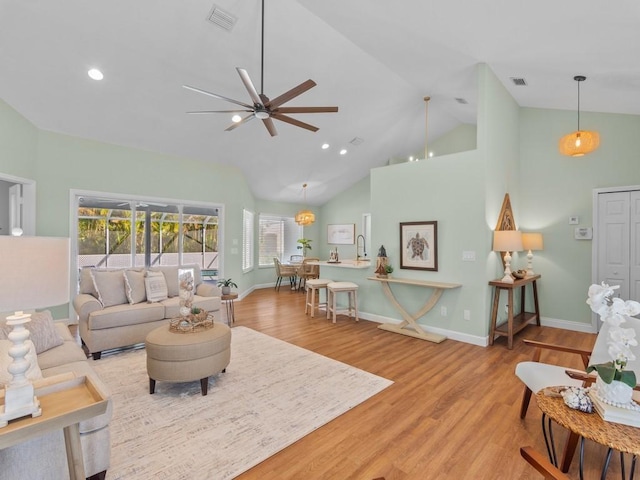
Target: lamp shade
[507, 241]
[579, 143]
[532, 241]
[34, 272]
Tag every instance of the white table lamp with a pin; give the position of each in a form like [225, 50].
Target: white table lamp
[507, 241]
[34, 273]
[531, 242]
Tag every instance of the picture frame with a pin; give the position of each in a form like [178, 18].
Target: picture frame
[419, 245]
[341, 234]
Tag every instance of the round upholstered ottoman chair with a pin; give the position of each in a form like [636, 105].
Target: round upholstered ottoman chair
[187, 357]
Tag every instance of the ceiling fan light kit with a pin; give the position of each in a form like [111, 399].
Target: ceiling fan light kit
[262, 107]
[580, 142]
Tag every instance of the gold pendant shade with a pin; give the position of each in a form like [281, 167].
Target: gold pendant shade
[580, 142]
[305, 217]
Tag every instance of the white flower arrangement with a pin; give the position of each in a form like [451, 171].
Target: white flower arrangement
[615, 312]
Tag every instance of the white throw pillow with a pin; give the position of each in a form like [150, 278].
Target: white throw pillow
[110, 287]
[33, 373]
[156, 286]
[42, 331]
[171, 277]
[134, 286]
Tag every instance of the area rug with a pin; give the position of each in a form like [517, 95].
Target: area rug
[272, 394]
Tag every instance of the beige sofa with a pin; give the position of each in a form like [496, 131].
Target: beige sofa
[113, 307]
[45, 456]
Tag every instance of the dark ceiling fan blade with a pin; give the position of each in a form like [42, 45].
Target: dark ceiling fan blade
[215, 95]
[219, 111]
[293, 93]
[305, 110]
[270, 126]
[248, 84]
[236, 125]
[293, 121]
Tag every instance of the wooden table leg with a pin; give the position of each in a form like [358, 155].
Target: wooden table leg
[74, 452]
[494, 314]
[510, 320]
[410, 320]
[535, 302]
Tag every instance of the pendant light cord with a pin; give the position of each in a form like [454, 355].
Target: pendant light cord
[578, 104]
[262, 55]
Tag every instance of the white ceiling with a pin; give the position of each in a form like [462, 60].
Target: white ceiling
[374, 59]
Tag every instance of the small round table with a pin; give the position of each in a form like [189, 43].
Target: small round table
[624, 438]
[228, 300]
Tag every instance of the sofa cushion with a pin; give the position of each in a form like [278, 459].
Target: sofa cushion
[42, 331]
[110, 287]
[171, 276]
[155, 286]
[69, 351]
[32, 373]
[134, 286]
[124, 315]
[86, 282]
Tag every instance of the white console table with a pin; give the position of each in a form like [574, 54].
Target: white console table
[409, 325]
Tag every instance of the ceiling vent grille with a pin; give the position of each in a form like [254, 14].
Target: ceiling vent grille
[356, 141]
[518, 81]
[461, 101]
[222, 19]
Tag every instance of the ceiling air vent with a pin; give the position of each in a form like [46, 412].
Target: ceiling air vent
[222, 19]
[356, 141]
[461, 101]
[518, 81]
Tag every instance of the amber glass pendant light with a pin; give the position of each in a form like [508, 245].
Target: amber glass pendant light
[580, 142]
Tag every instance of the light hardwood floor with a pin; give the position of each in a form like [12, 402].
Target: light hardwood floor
[452, 412]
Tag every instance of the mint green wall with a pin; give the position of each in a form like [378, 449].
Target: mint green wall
[17, 143]
[554, 187]
[346, 207]
[460, 139]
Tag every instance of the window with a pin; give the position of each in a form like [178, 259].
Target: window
[278, 237]
[247, 240]
[116, 232]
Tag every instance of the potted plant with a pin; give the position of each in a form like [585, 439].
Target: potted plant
[226, 284]
[388, 269]
[305, 244]
[614, 383]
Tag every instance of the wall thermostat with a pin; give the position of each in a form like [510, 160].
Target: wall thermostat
[583, 233]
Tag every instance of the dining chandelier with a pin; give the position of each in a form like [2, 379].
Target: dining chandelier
[305, 217]
[580, 142]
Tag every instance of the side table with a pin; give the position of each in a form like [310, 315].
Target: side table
[623, 438]
[66, 400]
[514, 323]
[228, 300]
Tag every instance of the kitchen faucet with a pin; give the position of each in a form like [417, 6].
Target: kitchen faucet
[364, 247]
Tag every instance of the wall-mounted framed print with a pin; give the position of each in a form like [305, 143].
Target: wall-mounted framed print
[419, 245]
[341, 234]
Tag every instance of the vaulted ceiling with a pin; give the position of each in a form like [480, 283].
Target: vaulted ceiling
[376, 60]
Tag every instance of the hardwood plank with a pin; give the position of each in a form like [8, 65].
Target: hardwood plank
[453, 411]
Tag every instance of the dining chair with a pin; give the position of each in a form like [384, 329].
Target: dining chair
[283, 271]
[541, 464]
[307, 271]
[537, 375]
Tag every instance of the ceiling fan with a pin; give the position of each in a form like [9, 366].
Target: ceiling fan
[264, 108]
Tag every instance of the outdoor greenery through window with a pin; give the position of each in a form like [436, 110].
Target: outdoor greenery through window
[278, 237]
[121, 233]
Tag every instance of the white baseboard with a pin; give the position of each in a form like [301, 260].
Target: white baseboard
[567, 325]
[453, 335]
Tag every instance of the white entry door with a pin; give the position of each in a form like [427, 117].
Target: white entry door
[618, 247]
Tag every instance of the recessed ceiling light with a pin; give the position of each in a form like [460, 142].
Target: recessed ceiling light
[325, 146]
[95, 74]
[236, 118]
[343, 151]
[411, 159]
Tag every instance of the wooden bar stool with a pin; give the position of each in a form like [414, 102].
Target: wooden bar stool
[352, 292]
[313, 286]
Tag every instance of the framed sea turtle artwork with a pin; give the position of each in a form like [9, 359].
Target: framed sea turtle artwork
[419, 245]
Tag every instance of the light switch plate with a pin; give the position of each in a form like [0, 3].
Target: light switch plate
[469, 256]
[583, 233]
